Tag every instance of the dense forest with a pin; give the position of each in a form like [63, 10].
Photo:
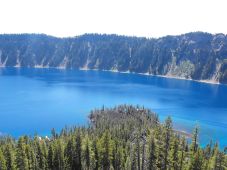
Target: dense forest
[124, 137]
[198, 55]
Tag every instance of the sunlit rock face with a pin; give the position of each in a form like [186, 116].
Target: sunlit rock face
[198, 56]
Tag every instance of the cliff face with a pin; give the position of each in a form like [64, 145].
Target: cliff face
[198, 56]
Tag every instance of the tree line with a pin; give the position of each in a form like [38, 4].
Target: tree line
[124, 137]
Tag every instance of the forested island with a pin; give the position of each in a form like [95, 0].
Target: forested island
[124, 137]
[197, 55]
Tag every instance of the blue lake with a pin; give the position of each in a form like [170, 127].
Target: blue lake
[37, 100]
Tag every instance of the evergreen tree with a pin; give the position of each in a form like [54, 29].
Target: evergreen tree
[160, 147]
[134, 162]
[32, 162]
[196, 162]
[59, 161]
[70, 152]
[182, 154]
[207, 155]
[127, 164]
[117, 160]
[22, 158]
[143, 153]
[152, 156]
[166, 137]
[41, 153]
[195, 135]
[106, 150]
[50, 157]
[87, 155]
[10, 157]
[214, 154]
[77, 165]
[219, 161]
[174, 157]
[2, 161]
[96, 155]
[54, 134]
[138, 151]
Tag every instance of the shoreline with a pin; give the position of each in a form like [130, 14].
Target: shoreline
[123, 72]
[163, 76]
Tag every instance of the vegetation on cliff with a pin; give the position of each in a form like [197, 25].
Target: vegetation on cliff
[198, 56]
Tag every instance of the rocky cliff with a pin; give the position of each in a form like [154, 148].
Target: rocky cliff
[198, 56]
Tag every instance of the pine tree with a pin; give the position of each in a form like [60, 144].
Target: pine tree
[152, 156]
[106, 150]
[32, 163]
[174, 157]
[2, 161]
[207, 155]
[10, 157]
[138, 151]
[182, 153]
[194, 144]
[50, 157]
[127, 165]
[117, 161]
[134, 165]
[218, 159]
[196, 162]
[53, 134]
[114, 158]
[59, 161]
[96, 155]
[22, 158]
[87, 154]
[214, 153]
[143, 153]
[41, 153]
[77, 156]
[167, 137]
[70, 152]
[159, 147]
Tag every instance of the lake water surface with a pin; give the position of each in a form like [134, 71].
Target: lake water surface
[36, 100]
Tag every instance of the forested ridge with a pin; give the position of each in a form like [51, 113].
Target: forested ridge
[124, 137]
[197, 55]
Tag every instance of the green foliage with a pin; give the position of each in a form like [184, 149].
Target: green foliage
[2, 161]
[152, 154]
[123, 137]
[9, 155]
[77, 152]
[105, 147]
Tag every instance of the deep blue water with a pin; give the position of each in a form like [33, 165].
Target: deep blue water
[36, 100]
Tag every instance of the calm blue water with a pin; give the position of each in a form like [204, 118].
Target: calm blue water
[36, 100]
